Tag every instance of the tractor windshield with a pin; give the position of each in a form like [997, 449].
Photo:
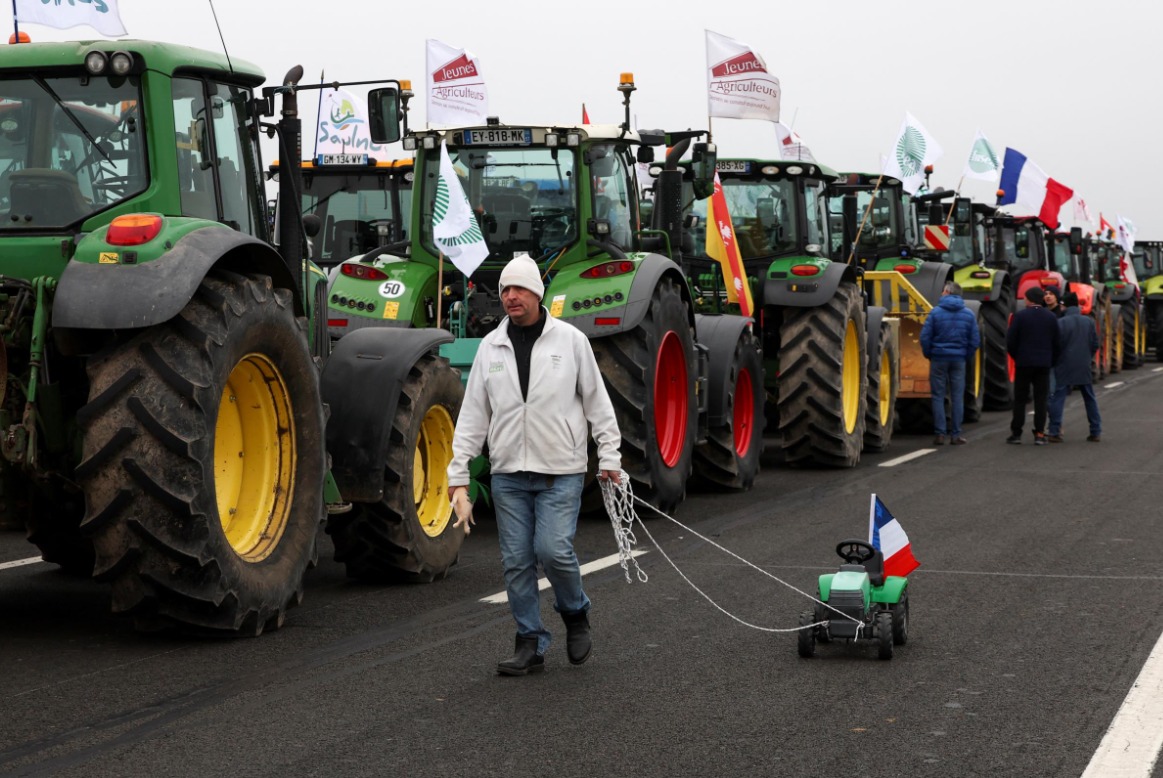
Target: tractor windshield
[69, 147]
[525, 199]
[1063, 259]
[763, 213]
[359, 212]
[1146, 261]
[961, 237]
[1022, 252]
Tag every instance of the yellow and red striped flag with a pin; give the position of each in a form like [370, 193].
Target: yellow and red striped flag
[721, 246]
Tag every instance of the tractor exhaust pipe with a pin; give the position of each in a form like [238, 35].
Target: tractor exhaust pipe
[291, 242]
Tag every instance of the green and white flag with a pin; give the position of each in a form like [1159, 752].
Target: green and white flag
[454, 226]
[983, 163]
[913, 150]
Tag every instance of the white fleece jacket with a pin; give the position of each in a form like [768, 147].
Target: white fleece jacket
[546, 433]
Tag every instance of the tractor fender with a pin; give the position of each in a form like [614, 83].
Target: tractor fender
[719, 333]
[807, 291]
[646, 277]
[361, 385]
[929, 279]
[825, 586]
[892, 591]
[1001, 279]
[132, 296]
[875, 316]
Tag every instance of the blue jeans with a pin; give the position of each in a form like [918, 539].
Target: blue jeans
[536, 522]
[1058, 404]
[947, 377]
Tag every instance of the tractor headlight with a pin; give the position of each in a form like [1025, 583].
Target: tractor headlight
[96, 62]
[121, 63]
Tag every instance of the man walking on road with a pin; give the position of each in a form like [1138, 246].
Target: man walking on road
[533, 388]
[1079, 345]
[949, 338]
[1033, 342]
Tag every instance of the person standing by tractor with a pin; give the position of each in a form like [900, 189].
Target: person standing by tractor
[1079, 345]
[1053, 301]
[533, 387]
[1033, 342]
[949, 338]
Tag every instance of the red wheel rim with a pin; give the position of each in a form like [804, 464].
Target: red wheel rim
[670, 399]
[743, 415]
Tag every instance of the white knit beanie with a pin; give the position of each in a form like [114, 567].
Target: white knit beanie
[522, 271]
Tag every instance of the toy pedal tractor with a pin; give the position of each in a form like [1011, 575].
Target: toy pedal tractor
[861, 603]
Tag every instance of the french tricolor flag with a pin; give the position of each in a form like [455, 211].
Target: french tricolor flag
[886, 534]
[1025, 183]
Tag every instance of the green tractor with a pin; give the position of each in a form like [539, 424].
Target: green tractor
[1127, 316]
[881, 225]
[680, 382]
[358, 208]
[1148, 259]
[167, 372]
[832, 362]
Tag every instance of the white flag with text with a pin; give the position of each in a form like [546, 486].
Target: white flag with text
[738, 84]
[101, 15]
[983, 163]
[456, 89]
[791, 145]
[342, 127]
[913, 150]
[454, 226]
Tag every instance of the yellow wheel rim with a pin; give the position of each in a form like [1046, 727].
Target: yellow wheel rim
[430, 471]
[850, 391]
[884, 393]
[978, 374]
[254, 457]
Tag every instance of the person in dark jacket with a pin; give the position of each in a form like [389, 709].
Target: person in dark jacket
[1053, 300]
[1033, 342]
[1079, 345]
[949, 339]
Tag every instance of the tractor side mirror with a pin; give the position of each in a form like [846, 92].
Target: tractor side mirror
[312, 224]
[703, 162]
[1075, 240]
[383, 111]
[645, 155]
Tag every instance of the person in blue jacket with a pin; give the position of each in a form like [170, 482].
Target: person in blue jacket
[1079, 344]
[1032, 340]
[949, 339]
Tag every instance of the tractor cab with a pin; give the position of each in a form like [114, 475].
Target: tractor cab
[1147, 259]
[361, 204]
[879, 235]
[1020, 246]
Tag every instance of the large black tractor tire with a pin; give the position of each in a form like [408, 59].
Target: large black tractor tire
[995, 320]
[1118, 338]
[1155, 327]
[823, 381]
[54, 526]
[203, 462]
[650, 375]
[730, 457]
[1106, 338]
[884, 380]
[1132, 358]
[408, 535]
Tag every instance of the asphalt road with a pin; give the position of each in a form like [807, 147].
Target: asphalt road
[1039, 598]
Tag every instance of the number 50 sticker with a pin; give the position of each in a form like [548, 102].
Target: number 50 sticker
[390, 289]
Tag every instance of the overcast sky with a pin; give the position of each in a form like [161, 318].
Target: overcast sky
[1075, 86]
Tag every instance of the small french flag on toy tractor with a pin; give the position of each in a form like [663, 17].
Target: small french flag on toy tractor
[867, 599]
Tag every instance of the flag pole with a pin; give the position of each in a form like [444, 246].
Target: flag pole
[439, 286]
[15, 23]
[318, 116]
[863, 221]
[956, 192]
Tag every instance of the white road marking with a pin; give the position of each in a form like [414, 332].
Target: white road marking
[907, 457]
[1131, 745]
[543, 583]
[32, 560]
[1115, 385]
[1158, 370]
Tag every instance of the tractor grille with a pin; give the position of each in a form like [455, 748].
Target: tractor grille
[850, 603]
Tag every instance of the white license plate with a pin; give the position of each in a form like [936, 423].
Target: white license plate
[736, 166]
[501, 136]
[341, 159]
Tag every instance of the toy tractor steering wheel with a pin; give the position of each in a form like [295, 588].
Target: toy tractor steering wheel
[855, 552]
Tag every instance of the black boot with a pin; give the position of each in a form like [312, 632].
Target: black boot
[577, 636]
[525, 659]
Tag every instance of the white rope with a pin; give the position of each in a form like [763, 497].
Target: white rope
[619, 500]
